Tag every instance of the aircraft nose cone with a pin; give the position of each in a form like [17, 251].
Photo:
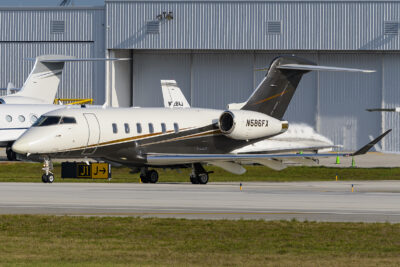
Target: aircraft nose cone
[20, 146]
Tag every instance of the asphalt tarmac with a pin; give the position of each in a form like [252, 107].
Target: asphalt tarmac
[313, 201]
[369, 160]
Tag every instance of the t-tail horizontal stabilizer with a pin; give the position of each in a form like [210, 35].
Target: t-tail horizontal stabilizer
[384, 109]
[320, 68]
[274, 93]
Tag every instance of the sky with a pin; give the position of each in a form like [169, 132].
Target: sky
[35, 3]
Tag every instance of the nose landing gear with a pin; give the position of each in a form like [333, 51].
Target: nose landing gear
[48, 176]
[11, 155]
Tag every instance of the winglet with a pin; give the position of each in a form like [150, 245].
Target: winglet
[368, 146]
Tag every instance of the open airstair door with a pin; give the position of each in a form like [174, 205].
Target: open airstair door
[94, 133]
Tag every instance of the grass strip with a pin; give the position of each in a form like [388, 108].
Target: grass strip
[31, 172]
[66, 240]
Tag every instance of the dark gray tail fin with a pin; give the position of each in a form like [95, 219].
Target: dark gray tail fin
[273, 94]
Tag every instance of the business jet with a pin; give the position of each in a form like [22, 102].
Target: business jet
[36, 97]
[300, 137]
[143, 138]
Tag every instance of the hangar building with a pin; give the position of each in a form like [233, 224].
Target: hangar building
[212, 49]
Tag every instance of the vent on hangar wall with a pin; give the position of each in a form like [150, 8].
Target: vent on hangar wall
[153, 27]
[57, 26]
[273, 27]
[391, 28]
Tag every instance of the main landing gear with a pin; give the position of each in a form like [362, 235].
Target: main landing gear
[148, 176]
[48, 176]
[199, 175]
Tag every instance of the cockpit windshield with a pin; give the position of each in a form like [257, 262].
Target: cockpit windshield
[53, 120]
[65, 120]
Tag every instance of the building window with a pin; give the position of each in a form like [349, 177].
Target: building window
[138, 128]
[127, 130]
[114, 127]
[163, 128]
[176, 127]
[153, 27]
[57, 26]
[151, 128]
[274, 27]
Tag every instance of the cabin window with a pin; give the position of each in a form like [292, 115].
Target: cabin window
[138, 128]
[21, 118]
[33, 118]
[151, 128]
[176, 127]
[67, 120]
[127, 130]
[47, 121]
[163, 128]
[8, 118]
[114, 127]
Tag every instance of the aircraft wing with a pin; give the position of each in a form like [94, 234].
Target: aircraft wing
[172, 94]
[288, 149]
[232, 161]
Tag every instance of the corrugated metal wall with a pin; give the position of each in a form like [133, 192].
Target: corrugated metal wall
[26, 33]
[391, 99]
[334, 103]
[232, 25]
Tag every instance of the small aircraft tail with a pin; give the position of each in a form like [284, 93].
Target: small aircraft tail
[274, 93]
[42, 83]
[172, 94]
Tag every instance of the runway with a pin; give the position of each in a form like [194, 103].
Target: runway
[313, 201]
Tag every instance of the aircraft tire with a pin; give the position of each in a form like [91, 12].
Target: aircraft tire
[11, 156]
[152, 176]
[44, 178]
[144, 179]
[194, 179]
[50, 178]
[202, 178]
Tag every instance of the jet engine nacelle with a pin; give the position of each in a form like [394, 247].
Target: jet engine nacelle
[246, 125]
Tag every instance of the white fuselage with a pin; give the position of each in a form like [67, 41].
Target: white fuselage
[114, 134]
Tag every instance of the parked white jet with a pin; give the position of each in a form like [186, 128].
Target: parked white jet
[36, 97]
[160, 137]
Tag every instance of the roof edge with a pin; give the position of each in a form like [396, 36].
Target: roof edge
[35, 8]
